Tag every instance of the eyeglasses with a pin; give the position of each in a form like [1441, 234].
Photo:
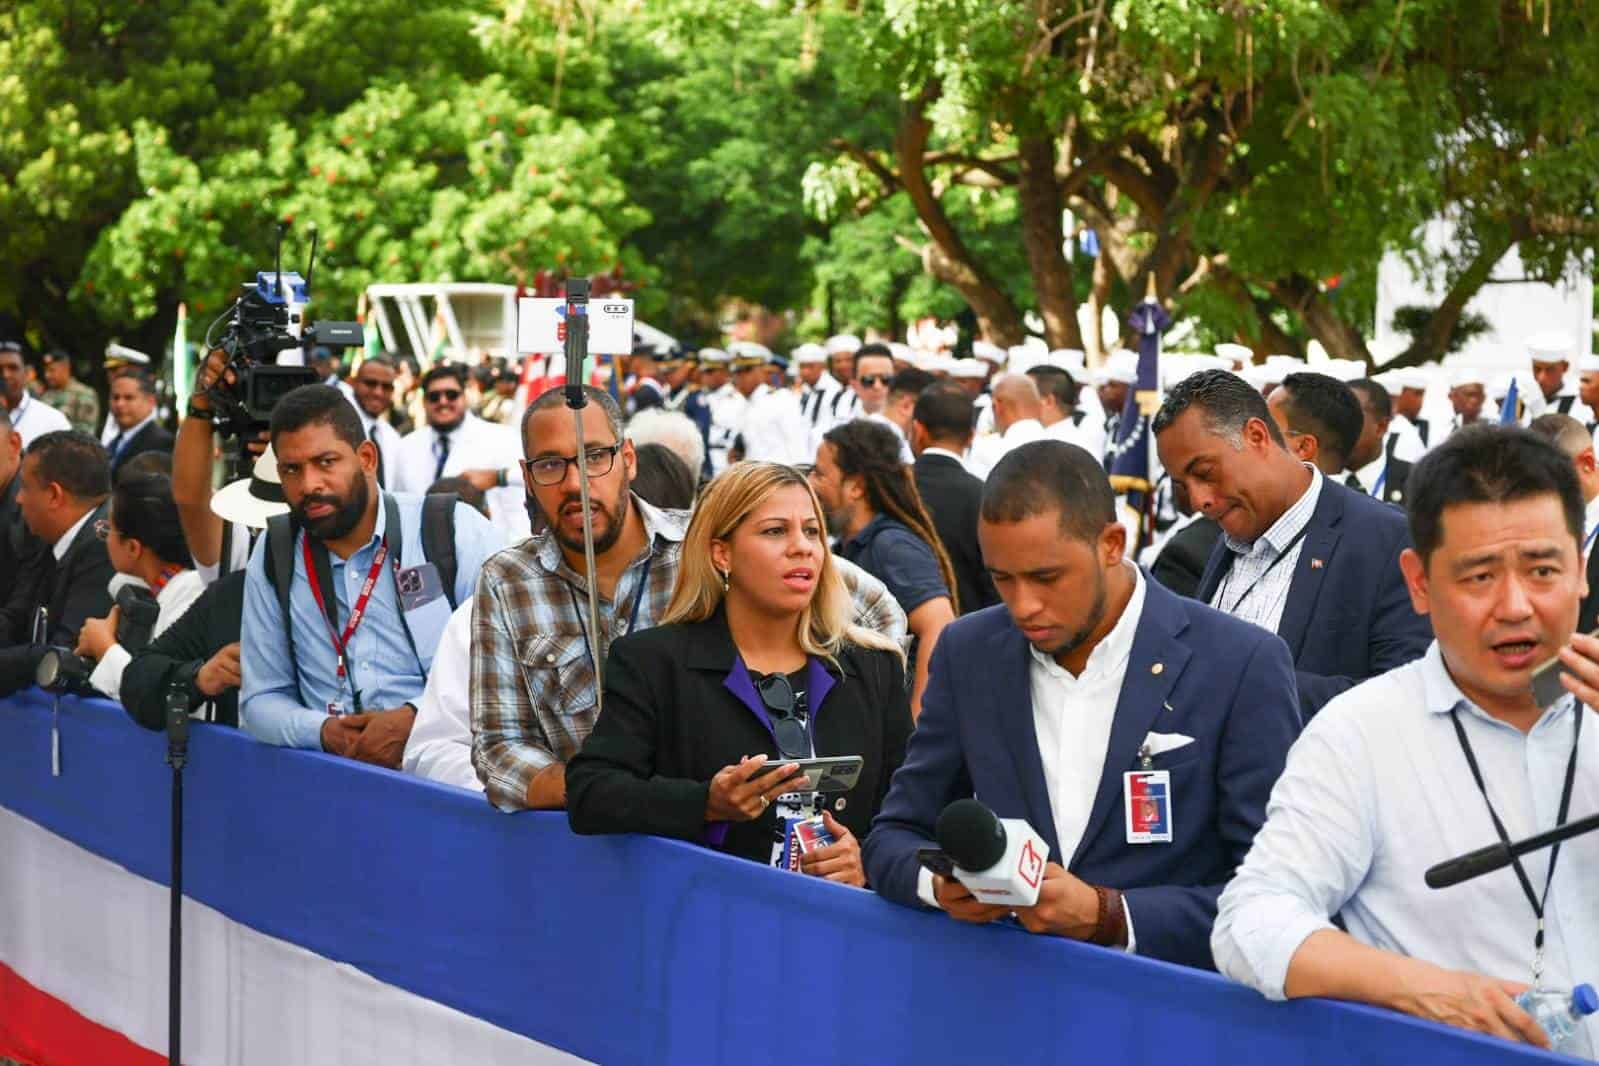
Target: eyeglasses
[102, 528]
[551, 469]
[778, 695]
[381, 386]
[442, 395]
[871, 381]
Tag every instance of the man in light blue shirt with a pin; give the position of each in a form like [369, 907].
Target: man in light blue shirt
[344, 673]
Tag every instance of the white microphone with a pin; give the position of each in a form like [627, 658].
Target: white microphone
[1000, 860]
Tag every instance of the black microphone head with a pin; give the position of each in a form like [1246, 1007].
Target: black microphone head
[971, 835]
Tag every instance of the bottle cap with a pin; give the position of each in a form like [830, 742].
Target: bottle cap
[1584, 1000]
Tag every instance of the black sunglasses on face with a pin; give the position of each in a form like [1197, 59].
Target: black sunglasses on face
[382, 386]
[873, 380]
[442, 395]
[778, 696]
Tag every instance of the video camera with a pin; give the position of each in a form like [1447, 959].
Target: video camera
[266, 341]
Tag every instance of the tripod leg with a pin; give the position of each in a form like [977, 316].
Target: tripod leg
[175, 961]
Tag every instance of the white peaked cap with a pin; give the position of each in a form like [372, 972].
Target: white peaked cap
[1068, 357]
[988, 352]
[1550, 346]
[843, 342]
[809, 354]
[1589, 362]
[1122, 366]
[969, 370]
[1241, 354]
[1344, 369]
[1467, 375]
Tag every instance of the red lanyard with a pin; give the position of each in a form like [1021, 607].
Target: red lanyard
[358, 611]
[166, 575]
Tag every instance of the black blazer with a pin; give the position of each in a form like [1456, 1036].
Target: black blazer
[154, 437]
[75, 590]
[680, 706]
[20, 567]
[212, 622]
[1348, 615]
[1182, 558]
[953, 496]
[1588, 613]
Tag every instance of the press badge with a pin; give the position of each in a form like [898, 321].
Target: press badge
[1147, 797]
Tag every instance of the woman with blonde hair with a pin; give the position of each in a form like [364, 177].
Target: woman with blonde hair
[757, 664]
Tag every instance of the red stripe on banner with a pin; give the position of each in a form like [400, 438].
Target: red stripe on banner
[37, 1029]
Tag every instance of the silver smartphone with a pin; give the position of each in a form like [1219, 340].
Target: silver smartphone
[830, 773]
[1546, 686]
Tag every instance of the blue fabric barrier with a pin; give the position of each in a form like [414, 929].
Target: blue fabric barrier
[637, 950]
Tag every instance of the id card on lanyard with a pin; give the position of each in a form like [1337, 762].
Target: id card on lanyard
[329, 609]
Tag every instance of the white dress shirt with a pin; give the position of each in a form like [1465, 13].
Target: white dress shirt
[773, 427]
[33, 418]
[474, 445]
[1373, 477]
[1566, 402]
[440, 745]
[175, 597]
[64, 542]
[1072, 717]
[1403, 440]
[946, 453]
[905, 454]
[380, 432]
[987, 452]
[1377, 790]
[1088, 433]
[1256, 588]
[123, 437]
[1590, 529]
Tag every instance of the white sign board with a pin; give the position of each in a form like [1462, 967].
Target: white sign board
[541, 326]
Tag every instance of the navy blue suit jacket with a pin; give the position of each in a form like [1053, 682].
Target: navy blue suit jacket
[1227, 684]
[1348, 615]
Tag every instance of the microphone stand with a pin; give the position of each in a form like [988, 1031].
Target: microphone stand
[577, 346]
[177, 756]
[1499, 855]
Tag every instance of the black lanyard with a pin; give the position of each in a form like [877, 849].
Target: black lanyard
[1504, 837]
[632, 621]
[1221, 599]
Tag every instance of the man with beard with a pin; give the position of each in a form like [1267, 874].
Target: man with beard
[534, 696]
[366, 608]
[1139, 733]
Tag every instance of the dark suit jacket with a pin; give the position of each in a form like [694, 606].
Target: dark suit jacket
[680, 705]
[1182, 558]
[152, 438]
[1192, 670]
[74, 590]
[20, 570]
[211, 622]
[1588, 613]
[1348, 615]
[953, 496]
[1397, 480]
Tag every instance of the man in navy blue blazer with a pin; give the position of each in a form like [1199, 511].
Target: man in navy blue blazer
[1088, 672]
[1301, 555]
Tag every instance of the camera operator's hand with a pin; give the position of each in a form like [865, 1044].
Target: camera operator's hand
[382, 742]
[98, 635]
[220, 672]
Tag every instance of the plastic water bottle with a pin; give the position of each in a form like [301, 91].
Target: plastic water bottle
[1560, 1013]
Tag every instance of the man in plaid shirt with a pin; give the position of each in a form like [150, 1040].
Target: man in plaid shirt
[535, 696]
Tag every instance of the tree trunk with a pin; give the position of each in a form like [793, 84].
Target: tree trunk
[1433, 342]
[1301, 296]
[946, 256]
[1098, 300]
[1044, 238]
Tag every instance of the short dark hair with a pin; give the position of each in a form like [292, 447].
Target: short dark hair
[151, 462]
[139, 376]
[142, 509]
[663, 479]
[75, 461]
[1489, 464]
[1375, 395]
[1324, 408]
[381, 359]
[556, 397]
[874, 348]
[1226, 403]
[446, 370]
[946, 412]
[910, 382]
[1050, 475]
[1053, 381]
[318, 405]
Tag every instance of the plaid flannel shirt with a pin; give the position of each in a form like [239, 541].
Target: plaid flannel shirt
[534, 693]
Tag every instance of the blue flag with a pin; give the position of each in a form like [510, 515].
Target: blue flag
[1510, 410]
[1129, 464]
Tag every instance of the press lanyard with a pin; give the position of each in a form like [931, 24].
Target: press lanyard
[1504, 837]
[166, 575]
[1382, 479]
[1221, 600]
[357, 612]
[632, 621]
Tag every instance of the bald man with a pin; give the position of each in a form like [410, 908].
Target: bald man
[1017, 409]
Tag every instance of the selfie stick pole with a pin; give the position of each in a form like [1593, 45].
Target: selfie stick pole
[177, 756]
[577, 349]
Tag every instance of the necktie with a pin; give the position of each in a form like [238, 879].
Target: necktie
[1354, 482]
[372, 435]
[444, 454]
[116, 444]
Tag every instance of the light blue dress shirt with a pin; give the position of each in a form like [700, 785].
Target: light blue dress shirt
[286, 695]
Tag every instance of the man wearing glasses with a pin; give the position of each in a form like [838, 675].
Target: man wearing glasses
[534, 693]
[374, 399]
[456, 443]
[29, 416]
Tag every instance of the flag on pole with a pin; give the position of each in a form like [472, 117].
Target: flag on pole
[1510, 410]
[182, 366]
[1130, 460]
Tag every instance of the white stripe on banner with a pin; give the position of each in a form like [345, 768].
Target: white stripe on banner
[94, 935]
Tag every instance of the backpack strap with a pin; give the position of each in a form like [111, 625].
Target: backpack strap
[225, 562]
[438, 539]
[281, 533]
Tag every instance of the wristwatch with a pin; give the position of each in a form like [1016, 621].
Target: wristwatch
[196, 412]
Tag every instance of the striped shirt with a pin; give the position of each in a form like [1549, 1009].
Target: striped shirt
[533, 687]
[1255, 589]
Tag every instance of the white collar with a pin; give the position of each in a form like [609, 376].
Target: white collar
[64, 542]
[127, 434]
[22, 405]
[1442, 695]
[1288, 525]
[1591, 518]
[1031, 428]
[934, 450]
[1110, 654]
[1369, 473]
